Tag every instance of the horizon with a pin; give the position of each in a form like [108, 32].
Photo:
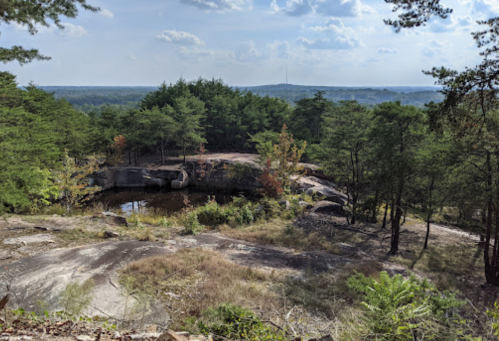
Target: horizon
[247, 86]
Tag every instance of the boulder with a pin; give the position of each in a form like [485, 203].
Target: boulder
[103, 178]
[182, 180]
[111, 234]
[154, 182]
[117, 219]
[327, 193]
[170, 335]
[328, 207]
[306, 205]
[130, 177]
[285, 204]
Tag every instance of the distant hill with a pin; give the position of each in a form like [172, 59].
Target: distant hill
[408, 95]
[89, 97]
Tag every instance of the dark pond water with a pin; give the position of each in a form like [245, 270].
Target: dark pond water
[134, 200]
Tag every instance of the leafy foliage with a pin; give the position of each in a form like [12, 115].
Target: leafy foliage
[31, 14]
[73, 182]
[398, 308]
[233, 322]
[416, 12]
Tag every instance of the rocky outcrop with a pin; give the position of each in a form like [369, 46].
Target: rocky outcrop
[327, 193]
[327, 207]
[321, 189]
[182, 181]
[224, 174]
[45, 276]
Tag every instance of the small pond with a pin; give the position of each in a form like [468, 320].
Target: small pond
[140, 200]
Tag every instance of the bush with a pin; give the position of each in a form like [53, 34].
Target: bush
[212, 214]
[494, 314]
[231, 322]
[192, 225]
[398, 308]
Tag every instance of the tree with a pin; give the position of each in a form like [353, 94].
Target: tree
[415, 12]
[280, 164]
[346, 149]
[307, 119]
[35, 129]
[188, 114]
[395, 134]
[73, 182]
[32, 13]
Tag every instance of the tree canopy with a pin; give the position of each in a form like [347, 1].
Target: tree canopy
[32, 14]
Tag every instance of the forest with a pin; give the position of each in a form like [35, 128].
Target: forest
[94, 98]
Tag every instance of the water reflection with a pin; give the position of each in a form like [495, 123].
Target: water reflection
[139, 200]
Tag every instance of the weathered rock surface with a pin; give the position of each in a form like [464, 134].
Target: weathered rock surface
[45, 276]
[225, 174]
[182, 180]
[36, 238]
[117, 219]
[154, 182]
[327, 207]
[327, 193]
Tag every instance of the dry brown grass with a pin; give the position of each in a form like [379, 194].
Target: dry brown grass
[278, 232]
[192, 280]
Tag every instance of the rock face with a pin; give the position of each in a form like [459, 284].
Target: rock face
[225, 175]
[133, 177]
[328, 207]
[182, 180]
[45, 276]
[328, 193]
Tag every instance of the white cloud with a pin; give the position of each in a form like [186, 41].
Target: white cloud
[74, 31]
[219, 5]
[132, 56]
[297, 7]
[106, 13]
[196, 53]
[248, 52]
[179, 37]
[335, 8]
[281, 49]
[439, 25]
[486, 7]
[338, 36]
[338, 43]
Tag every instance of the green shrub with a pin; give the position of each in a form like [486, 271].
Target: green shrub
[398, 308]
[192, 225]
[212, 214]
[231, 322]
[494, 314]
[165, 222]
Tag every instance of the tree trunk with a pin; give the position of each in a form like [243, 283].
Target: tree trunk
[429, 214]
[162, 152]
[488, 232]
[130, 157]
[392, 208]
[374, 217]
[384, 216]
[396, 219]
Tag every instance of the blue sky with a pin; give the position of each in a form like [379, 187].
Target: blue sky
[247, 42]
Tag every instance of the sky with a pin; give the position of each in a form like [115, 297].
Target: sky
[247, 42]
